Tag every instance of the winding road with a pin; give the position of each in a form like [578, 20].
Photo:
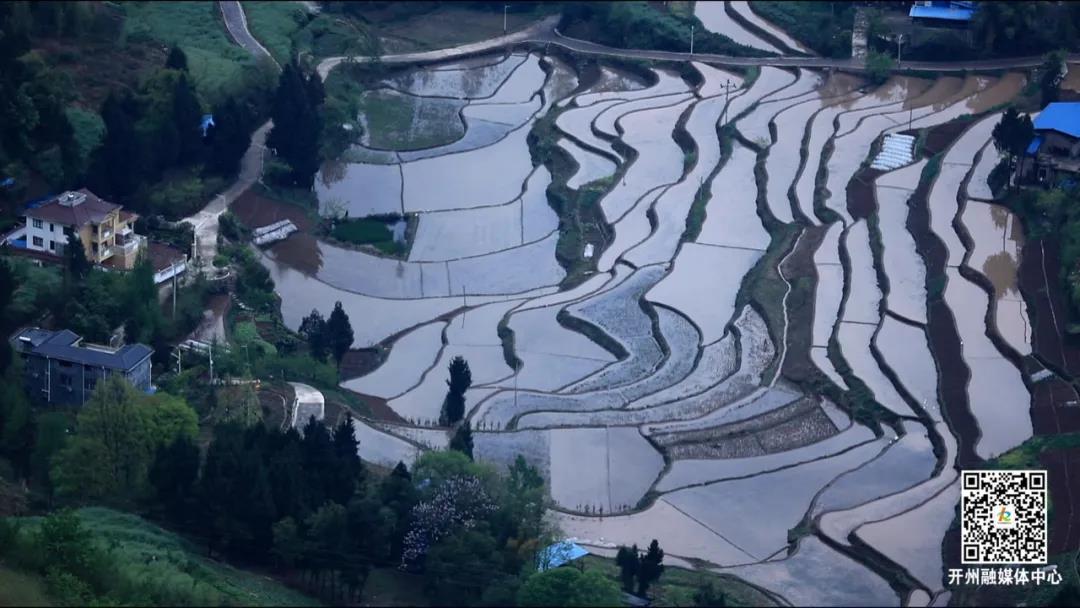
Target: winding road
[545, 32]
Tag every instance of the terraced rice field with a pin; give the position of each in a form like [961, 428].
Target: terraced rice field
[655, 391]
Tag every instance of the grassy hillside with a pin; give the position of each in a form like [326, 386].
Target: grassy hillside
[150, 565]
[20, 589]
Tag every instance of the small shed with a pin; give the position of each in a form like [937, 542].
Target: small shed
[559, 554]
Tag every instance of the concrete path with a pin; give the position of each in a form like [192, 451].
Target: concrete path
[236, 24]
[206, 220]
[309, 402]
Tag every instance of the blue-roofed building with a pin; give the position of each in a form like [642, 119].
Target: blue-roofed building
[58, 368]
[559, 554]
[943, 13]
[1055, 149]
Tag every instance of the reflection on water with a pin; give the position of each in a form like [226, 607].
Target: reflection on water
[942, 89]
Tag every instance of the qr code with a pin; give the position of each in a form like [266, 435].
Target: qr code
[1003, 517]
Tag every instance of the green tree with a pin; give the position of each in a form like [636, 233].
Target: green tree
[462, 440]
[7, 294]
[340, 332]
[878, 66]
[651, 567]
[50, 439]
[1013, 133]
[708, 595]
[459, 568]
[118, 162]
[187, 117]
[176, 60]
[75, 258]
[173, 475]
[460, 375]
[1051, 74]
[68, 546]
[453, 408]
[297, 125]
[568, 587]
[628, 561]
[348, 470]
[108, 454]
[229, 137]
[313, 330]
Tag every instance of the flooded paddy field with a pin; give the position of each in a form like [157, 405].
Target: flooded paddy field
[641, 366]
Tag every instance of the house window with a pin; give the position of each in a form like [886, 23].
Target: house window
[52, 227]
[90, 383]
[38, 242]
[39, 224]
[52, 245]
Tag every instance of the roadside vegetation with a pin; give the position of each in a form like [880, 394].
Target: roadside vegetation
[645, 25]
[824, 27]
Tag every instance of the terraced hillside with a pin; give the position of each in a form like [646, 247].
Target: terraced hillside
[778, 355]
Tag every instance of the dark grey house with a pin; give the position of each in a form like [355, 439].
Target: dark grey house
[59, 369]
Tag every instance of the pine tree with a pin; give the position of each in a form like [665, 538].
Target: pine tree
[651, 567]
[187, 116]
[349, 469]
[176, 60]
[628, 562]
[460, 376]
[297, 124]
[313, 329]
[318, 460]
[462, 440]
[453, 409]
[118, 164]
[340, 332]
[229, 138]
[173, 476]
[7, 290]
[75, 257]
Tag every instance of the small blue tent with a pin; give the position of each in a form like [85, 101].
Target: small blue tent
[558, 554]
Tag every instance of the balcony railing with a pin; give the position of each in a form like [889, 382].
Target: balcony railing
[132, 244]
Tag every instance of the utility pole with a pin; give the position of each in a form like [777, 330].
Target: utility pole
[173, 271]
[517, 368]
[691, 38]
[728, 86]
[505, 6]
[899, 39]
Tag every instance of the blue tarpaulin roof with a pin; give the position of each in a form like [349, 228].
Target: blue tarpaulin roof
[1033, 147]
[1063, 117]
[951, 13]
[560, 553]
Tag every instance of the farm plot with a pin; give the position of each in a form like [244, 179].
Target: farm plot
[838, 525]
[410, 357]
[717, 271]
[742, 7]
[383, 448]
[919, 554]
[682, 534]
[468, 83]
[837, 579]
[808, 85]
[996, 392]
[577, 123]
[978, 186]
[605, 122]
[692, 472]
[715, 19]
[717, 81]
[618, 313]
[755, 513]
[590, 165]
[456, 181]
[905, 349]
[383, 317]
[633, 228]
[667, 82]
[998, 238]
[907, 271]
[771, 82]
[552, 356]
[428, 439]
[782, 163]
[904, 463]
[731, 210]
[674, 204]
[601, 470]
[360, 189]
[659, 161]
